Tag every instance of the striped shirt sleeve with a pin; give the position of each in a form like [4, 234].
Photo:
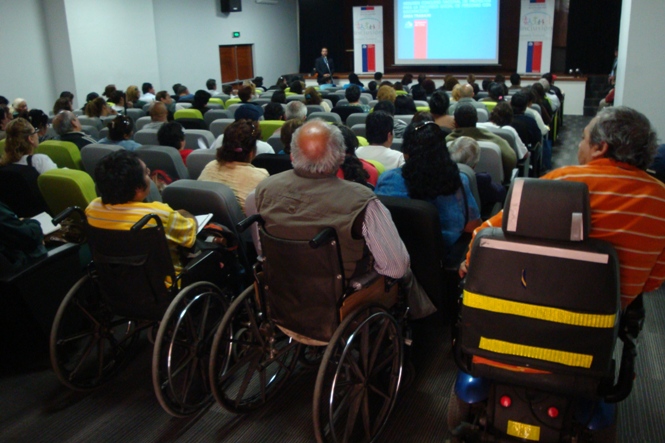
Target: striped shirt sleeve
[390, 255]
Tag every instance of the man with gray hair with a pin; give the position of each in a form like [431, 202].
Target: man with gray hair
[299, 203]
[68, 127]
[296, 109]
[466, 96]
[627, 204]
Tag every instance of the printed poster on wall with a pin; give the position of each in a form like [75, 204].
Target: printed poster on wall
[534, 54]
[368, 39]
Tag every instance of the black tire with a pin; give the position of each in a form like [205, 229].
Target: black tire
[359, 378]
[458, 410]
[250, 361]
[182, 349]
[88, 344]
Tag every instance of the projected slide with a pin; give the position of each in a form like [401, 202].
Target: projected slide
[446, 32]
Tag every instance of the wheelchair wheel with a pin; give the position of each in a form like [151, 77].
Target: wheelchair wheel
[359, 378]
[88, 344]
[182, 349]
[250, 361]
[458, 410]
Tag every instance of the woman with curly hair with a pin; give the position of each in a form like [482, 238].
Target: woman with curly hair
[355, 169]
[22, 140]
[430, 174]
[232, 166]
[312, 97]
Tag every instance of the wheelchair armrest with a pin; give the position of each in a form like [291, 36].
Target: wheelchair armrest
[64, 214]
[249, 221]
[364, 281]
[322, 237]
[196, 261]
[144, 221]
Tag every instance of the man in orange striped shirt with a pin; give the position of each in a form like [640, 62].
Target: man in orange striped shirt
[627, 204]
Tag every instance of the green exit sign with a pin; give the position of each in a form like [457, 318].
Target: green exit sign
[236, 35]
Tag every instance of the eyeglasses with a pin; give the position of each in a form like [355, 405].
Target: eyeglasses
[424, 124]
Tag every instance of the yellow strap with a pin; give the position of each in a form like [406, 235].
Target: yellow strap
[552, 355]
[544, 313]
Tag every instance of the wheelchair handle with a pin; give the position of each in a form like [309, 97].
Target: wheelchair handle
[144, 221]
[66, 213]
[322, 237]
[249, 221]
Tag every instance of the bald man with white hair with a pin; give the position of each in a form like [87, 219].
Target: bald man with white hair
[467, 94]
[299, 203]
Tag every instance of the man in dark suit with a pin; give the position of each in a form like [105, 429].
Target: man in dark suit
[324, 66]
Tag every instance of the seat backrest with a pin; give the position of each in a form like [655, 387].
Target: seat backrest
[218, 126]
[325, 116]
[405, 118]
[232, 108]
[314, 108]
[397, 144]
[473, 184]
[419, 227]
[536, 107]
[490, 161]
[91, 121]
[231, 101]
[198, 160]
[289, 294]
[192, 123]
[213, 115]
[91, 155]
[198, 138]
[132, 267]
[165, 158]
[188, 113]
[19, 190]
[103, 133]
[261, 101]
[359, 129]
[342, 102]
[345, 111]
[223, 97]
[146, 137]
[135, 114]
[276, 142]
[63, 154]
[507, 136]
[62, 188]
[355, 119]
[268, 127]
[540, 295]
[295, 98]
[273, 163]
[92, 131]
[366, 97]
[483, 115]
[141, 122]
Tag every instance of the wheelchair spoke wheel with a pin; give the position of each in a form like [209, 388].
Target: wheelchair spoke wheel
[249, 361]
[359, 378]
[182, 349]
[88, 344]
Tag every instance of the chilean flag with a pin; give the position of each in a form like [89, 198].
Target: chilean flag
[534, 55]
[371, 8]
[537, 1]
[369, 58]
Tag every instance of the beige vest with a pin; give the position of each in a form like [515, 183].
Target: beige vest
[298, 208]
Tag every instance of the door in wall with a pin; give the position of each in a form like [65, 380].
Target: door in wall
[236, 62]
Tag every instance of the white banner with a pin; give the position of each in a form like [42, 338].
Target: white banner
[534, 54]
[368, 39]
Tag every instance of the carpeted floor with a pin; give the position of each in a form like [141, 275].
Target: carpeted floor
[34, 407]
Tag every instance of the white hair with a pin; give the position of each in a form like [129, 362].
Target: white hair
[331, 159]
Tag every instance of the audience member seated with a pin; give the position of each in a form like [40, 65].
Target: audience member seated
[286, 134]
[501, 117]
[500, 80]
[526, 127]
[278, 96]
[274, 111]
[233, 164]
[429, 87]
[295, 109]
[248, 112]
[398, 125]
[496, 95]
[407, 79]
[471, 80]
[98, 108]
[89, 98]
[62, 104]
[626, 203]
[22, 140]
[119, 102]
[171, 134]
[515, 82]
[456, 93]
[551, 78]
[39, 120]
[354, 80]
[352, 94]
[280, 84]
[132, 96]
[245, 94]
[555, 103]
[252, 87]
[19, 108]
[540, 100]
[466, 151]
[121, 131]
[466, 96]
[211, 86]
[148, 93]
[20, 240]
[449, 82]
[438, 106]
[465, 121]
[258, 83]
[68, 127]
[372, 88]
[379, 134]
[386, 93]
[404, 105]
[158, 115]
[299, 203]
[5, 117]
[296, 87]
[108, 90]
[183, 95]
[312, 97]
[123, 183]
[430, 174]
[164, 97]
[201, 99]
[530, 95]
[353, 168]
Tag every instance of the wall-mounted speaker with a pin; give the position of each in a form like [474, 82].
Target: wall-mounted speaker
[231, 6]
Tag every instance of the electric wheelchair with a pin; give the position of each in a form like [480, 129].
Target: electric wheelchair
[131, 286]
[303, 308]
[538, 324]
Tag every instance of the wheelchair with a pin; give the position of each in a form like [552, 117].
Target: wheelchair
[301, 308]
[131, 286]
[538, 325]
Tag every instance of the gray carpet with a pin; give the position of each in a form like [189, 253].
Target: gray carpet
[34, 407]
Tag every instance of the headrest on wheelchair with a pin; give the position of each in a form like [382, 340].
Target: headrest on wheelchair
[547, 210]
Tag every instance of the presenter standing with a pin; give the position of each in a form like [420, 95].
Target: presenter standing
[324, 67]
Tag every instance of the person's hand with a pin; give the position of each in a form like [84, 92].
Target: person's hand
[463, 269]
